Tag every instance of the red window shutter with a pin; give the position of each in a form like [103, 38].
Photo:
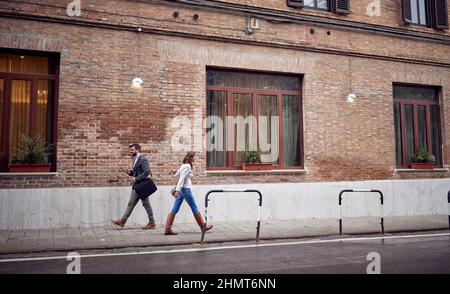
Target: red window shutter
[341, 6]
[295, 3]
[439, 14]
[406, 11]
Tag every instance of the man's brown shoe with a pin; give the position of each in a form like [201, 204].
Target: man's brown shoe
[119, 224]
[150, 226]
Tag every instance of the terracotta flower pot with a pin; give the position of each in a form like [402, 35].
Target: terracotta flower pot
[29, 168]
[256, 166]
[423, 165]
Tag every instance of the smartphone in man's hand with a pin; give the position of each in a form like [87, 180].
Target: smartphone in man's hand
[127, 171]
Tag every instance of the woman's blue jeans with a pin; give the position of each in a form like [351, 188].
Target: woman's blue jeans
[185, 194]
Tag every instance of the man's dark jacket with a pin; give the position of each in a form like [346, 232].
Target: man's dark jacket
[141, 170]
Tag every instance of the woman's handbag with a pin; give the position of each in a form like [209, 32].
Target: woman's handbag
[173, 191]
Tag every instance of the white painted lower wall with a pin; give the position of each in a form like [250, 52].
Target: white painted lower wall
[84, 207]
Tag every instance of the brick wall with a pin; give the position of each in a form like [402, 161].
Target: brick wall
[390, 12]
[99, 115]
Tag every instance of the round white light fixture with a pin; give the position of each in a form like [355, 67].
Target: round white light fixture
[137, 83]
[351, 98]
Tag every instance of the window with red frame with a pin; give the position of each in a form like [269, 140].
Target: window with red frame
[28, 100]
[417, 123]
[253, 112]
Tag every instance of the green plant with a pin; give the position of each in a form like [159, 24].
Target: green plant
[252, 157]
[31, 150]
[421, 155]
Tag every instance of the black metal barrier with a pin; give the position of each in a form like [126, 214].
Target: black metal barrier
[364, 190]
[227, 191]
[448, 203]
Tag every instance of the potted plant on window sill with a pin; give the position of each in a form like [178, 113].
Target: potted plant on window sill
[422, 160]
[252, 161]
[31, 155]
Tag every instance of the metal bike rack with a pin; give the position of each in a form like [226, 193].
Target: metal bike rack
[448, 204]
[364, 190]
[227, 191]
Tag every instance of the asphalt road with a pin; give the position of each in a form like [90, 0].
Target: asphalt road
[418, 255]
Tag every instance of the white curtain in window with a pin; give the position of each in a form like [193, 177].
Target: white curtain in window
[216, 136]
[268, 135]
[244, 134]
[291, 130]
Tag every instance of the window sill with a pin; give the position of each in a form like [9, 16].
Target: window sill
[50, 174]
[434, 170]
[240, 172]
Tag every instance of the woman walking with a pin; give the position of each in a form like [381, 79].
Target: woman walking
[183, 192]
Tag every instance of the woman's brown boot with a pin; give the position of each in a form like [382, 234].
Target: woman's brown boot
[169, 223]
[199, 219]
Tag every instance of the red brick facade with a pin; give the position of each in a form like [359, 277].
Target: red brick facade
[102, 51]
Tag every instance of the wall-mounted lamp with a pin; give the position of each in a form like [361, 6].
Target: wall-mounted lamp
[136, 83]
[351, 98]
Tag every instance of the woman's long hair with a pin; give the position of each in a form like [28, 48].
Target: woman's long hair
[188, 158]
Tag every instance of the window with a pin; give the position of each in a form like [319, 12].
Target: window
[319, 4]
[417, 122]
[27, 101]
[335, 6]
[253, 112]
[419, 12]
[431, 13]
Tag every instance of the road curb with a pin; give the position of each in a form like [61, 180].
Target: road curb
[213, 241]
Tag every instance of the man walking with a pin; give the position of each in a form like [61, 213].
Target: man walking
[140, 170]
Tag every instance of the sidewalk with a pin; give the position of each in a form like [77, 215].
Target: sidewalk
[73, 239]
